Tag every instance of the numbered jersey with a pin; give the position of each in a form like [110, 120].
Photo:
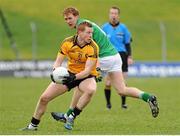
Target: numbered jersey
[77, 56]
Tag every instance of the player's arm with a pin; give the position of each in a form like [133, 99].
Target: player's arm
[58, 61]
[128, 49]
[129, 53]
[61, 55]
[127, 40]
[90, 64]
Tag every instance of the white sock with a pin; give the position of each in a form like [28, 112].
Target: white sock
[71, 116]
[32, 126]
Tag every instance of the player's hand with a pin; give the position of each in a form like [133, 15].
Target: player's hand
[51, 75]
[69, 79]
[130, 60]
[99, 76]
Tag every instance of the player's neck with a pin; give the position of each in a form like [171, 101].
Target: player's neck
[80, 42]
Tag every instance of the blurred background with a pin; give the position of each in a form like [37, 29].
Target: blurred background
[30, 34]
[33, 30]
[142, 17]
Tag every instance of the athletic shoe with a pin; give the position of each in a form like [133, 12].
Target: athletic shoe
[58, 116]
[124, 106]
[30, 127]
[154, 106]
[69, 123]
[108, 106]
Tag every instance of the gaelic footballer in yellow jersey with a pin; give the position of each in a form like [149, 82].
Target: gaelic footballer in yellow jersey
[82, 55]
[78, 55]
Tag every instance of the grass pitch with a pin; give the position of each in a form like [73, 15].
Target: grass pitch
[19, 98]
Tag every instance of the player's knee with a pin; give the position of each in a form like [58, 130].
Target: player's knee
[108, 87]
[44, 99]
[122, 91]
[91, 92]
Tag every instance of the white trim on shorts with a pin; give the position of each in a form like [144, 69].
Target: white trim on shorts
[110, 64]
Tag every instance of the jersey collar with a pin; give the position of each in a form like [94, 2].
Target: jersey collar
[76, 44]
[114, 25]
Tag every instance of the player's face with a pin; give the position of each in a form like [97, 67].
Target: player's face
[113, 16]
[71, 20]
[86, 35]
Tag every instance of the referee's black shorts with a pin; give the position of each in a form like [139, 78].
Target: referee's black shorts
[124, 58]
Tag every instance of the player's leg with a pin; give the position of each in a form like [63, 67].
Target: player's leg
[88, 88]
[107, 92]
[117, 81]
[59, 116]
[124, 58]
[52, 91]
[123, 98]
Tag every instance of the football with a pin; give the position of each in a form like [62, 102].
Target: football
[58, 74]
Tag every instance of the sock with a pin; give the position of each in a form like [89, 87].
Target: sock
[107, 93]
[76, 112]
[70, 110]
[123, 98]
[34, 122]
[145, 96]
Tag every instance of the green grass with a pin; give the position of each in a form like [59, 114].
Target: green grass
[18, 99]
[141, 16]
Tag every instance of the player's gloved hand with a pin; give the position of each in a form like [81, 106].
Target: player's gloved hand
[51, 75]
[68, 79]
[99, 76]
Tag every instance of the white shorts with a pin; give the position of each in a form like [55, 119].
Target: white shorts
[110, 64]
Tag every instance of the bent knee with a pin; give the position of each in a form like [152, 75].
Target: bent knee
[91, 92]
[44, 99]
[122, 91]
[108, 84]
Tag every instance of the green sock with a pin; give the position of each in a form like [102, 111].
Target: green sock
[145, 96]
[69, 111]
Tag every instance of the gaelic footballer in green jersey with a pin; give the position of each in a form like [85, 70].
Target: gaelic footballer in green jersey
[110, 62]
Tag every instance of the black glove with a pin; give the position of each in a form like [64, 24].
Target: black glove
[69, 79]
[99, 76]
[51, 75]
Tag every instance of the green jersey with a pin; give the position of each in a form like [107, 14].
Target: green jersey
[105, 46]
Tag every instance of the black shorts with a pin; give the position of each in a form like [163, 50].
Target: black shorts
[76, 82]
[124, 58]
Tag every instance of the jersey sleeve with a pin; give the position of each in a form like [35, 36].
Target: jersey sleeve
[127, 36]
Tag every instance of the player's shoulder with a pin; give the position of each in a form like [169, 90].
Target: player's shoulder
[69, 39]
[81, 20]
[94, 48]
[93, 44]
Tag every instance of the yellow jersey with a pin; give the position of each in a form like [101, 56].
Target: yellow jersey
[77, 55]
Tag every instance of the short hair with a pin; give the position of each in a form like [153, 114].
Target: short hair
[114, 7]
[81, 26]
[71, 10]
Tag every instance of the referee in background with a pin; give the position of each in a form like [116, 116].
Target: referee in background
[120, 37]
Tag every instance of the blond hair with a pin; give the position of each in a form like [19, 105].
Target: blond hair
[71, 10]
